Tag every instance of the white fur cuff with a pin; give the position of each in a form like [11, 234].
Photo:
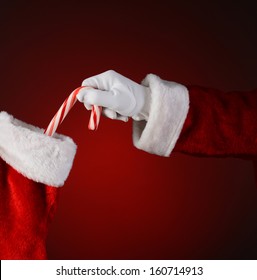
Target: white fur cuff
[168, 110]
[27, 149]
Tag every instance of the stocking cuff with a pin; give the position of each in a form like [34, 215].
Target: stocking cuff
[27, 149]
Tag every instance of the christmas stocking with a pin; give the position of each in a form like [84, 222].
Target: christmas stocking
[32, 167]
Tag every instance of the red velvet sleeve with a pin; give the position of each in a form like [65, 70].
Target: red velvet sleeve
[220, 124]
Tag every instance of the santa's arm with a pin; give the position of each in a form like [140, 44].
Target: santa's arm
[198, 121]
[220, 123]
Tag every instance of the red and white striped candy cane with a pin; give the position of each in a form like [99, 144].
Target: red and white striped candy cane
[66, 107]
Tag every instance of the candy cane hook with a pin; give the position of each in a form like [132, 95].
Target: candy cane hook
[66, 107]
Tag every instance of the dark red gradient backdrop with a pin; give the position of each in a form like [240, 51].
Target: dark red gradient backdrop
[119, 202]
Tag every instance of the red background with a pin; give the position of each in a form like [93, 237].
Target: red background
[119, 202]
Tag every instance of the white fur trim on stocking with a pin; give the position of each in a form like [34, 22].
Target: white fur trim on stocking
[167, 113]
[27, 149]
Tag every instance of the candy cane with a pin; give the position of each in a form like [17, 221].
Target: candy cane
[66, 107]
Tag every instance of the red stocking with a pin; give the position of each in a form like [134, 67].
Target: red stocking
[32, 166]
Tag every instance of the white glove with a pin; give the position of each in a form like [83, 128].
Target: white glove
[119, 96]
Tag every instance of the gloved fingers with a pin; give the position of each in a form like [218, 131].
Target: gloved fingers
[87, 106]
[113, 115]
[122, 118]
[109, 113]
[116, 92]
[80, 96]
[92, 82]
[102, 81]
[97, 97]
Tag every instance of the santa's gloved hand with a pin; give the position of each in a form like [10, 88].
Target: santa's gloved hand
[119, 96]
